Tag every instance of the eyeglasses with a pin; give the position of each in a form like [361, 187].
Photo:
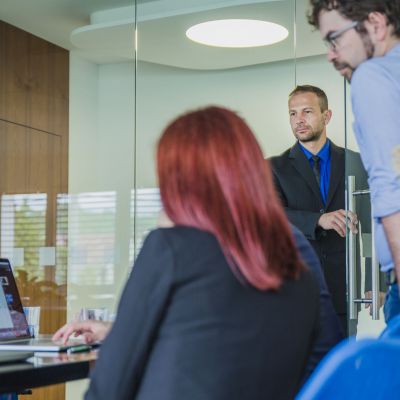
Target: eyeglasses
[331, 38]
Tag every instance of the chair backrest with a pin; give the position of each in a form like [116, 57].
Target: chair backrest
[353, 370]
[392, 329]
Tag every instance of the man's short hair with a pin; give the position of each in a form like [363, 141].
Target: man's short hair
[357, 10]
[322, 98]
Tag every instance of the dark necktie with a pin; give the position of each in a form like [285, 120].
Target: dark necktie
[316, 169]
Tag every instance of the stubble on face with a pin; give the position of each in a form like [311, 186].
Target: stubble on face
[308, 133]
[307, 130]
[344, 68]
[369, 47]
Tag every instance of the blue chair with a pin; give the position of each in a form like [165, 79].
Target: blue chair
[392, 329]
[354, 370]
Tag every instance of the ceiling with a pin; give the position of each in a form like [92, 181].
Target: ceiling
[103, 30]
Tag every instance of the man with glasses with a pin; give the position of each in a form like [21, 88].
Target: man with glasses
[363, 39]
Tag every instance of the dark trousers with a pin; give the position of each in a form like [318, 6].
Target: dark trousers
[392, 302]
[344, 323]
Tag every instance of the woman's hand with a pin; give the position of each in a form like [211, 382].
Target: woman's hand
[92, 331]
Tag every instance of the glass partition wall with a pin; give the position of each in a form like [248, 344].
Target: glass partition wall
[101, 196]
[175, 74]
[312, 68]
[67, 134]
[366, 284]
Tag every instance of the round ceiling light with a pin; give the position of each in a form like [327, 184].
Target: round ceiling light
[237, 33]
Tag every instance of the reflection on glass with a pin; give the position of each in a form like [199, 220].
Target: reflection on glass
[85, 244]
[23, 226]
[61, 239]
[92, 238]
[148, 207]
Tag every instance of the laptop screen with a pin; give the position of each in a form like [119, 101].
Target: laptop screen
[13, 324]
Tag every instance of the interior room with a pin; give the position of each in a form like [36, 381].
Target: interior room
[86, 89]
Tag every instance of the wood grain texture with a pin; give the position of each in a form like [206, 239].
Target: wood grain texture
[34, 81]
[53, 392]
[34, 97]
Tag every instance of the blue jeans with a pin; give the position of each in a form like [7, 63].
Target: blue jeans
[392, 302]
[10, 396]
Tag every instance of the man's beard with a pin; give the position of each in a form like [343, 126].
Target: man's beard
[313, 136]
[369, 51]
[340, 66]
[368, 45]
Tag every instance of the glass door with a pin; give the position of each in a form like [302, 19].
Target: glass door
[366, 284]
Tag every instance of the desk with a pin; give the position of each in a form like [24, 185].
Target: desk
[45, 370]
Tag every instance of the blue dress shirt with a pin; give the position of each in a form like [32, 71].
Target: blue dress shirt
[325, 167]
[375, 95]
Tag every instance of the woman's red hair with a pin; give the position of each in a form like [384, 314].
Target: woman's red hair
[213, 176]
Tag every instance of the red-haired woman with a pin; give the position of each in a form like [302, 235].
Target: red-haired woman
[218, 306]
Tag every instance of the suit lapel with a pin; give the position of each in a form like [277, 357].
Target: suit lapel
[301, 164]
[337, 171]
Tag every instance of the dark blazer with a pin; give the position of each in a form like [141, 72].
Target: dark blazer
[330, 331]
[301, 197]
[186, 328]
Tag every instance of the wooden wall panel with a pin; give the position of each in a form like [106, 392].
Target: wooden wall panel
[30, 160]
[13, 158]
[34, 88]
[44, 162]
[34, 81]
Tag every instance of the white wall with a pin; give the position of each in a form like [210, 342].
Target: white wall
[101, 139]
[259, 93]
[83, 123]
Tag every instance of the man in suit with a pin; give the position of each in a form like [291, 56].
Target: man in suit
[310, 179]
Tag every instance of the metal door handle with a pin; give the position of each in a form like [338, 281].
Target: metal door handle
[375, 273]
[351, 183]
[352, 193]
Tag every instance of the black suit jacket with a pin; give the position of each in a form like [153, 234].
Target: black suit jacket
[301, 197]
[186, 328]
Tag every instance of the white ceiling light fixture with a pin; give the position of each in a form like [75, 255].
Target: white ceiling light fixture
[237, 33]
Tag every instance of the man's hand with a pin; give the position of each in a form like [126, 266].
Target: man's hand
[381, 301]
[336, 220]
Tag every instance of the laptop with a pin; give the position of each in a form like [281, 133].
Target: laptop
[14, 330]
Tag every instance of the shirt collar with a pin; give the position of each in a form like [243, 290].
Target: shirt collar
[323, 154]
